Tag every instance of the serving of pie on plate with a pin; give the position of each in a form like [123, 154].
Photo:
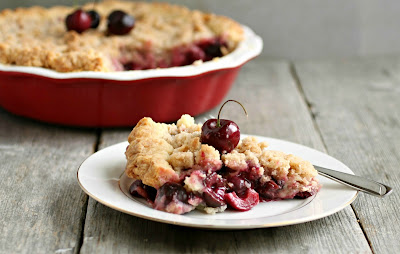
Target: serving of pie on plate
[176, 172]
[163, 35]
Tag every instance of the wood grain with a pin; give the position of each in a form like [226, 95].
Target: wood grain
[42, 206]
[357, 109]
[276, 108]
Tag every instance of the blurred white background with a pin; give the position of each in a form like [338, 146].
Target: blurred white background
[305, 29]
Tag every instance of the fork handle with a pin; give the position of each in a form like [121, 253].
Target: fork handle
[356, 182]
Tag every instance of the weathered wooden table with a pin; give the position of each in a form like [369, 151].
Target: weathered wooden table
[349, 109]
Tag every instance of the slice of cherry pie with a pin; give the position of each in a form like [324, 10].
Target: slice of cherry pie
[176, 173]
[163, 35]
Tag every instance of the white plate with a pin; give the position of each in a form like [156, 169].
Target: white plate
[101, 177]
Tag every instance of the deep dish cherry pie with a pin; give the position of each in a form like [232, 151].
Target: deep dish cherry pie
[177, 173]
[154, 35]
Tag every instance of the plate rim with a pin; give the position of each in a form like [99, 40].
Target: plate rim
[225, 226]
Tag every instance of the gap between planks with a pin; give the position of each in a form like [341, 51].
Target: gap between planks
[297, 81]
[96, 145]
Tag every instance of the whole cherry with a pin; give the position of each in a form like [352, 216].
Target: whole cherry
[120, 23]
[78, 21]
[95, 16]
[222, 134]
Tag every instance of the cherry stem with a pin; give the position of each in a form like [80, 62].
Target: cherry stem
[218, 122]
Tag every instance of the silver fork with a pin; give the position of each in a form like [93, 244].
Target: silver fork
[356, 182]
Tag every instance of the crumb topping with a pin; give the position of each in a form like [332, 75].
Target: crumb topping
[158, 152]
[38, 37]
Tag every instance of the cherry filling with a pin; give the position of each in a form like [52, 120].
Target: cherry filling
[303, 195]
[241, 195]
[270, 190]
[239, 185]
[244, 203]
[172, 198]
[169, 192]
[214, 191]
[240, 190]
[239, 182]
[138, 189]
[204, 50]
[235, 190]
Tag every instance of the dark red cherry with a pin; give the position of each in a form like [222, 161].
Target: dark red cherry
[171, 192]
[269, 190]
[224, 137]
[222, 134]
[245, 203]
[120, 23]
[95, 16]
[303, 195]
[138, 189]
[78, 21]
[195, 53]
[214, 180]
[239, 184]
[215, 190]
[214, 197]
[212, 48]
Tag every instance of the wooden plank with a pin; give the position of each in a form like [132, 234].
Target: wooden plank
[357, 108]
[276, 109]
[42, 207]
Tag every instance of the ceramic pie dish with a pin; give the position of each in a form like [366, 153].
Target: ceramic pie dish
[107, 99]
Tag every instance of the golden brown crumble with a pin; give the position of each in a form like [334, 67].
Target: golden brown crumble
[38, 37]
[158, 152]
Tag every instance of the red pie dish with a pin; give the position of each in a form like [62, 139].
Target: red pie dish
[60, 73]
